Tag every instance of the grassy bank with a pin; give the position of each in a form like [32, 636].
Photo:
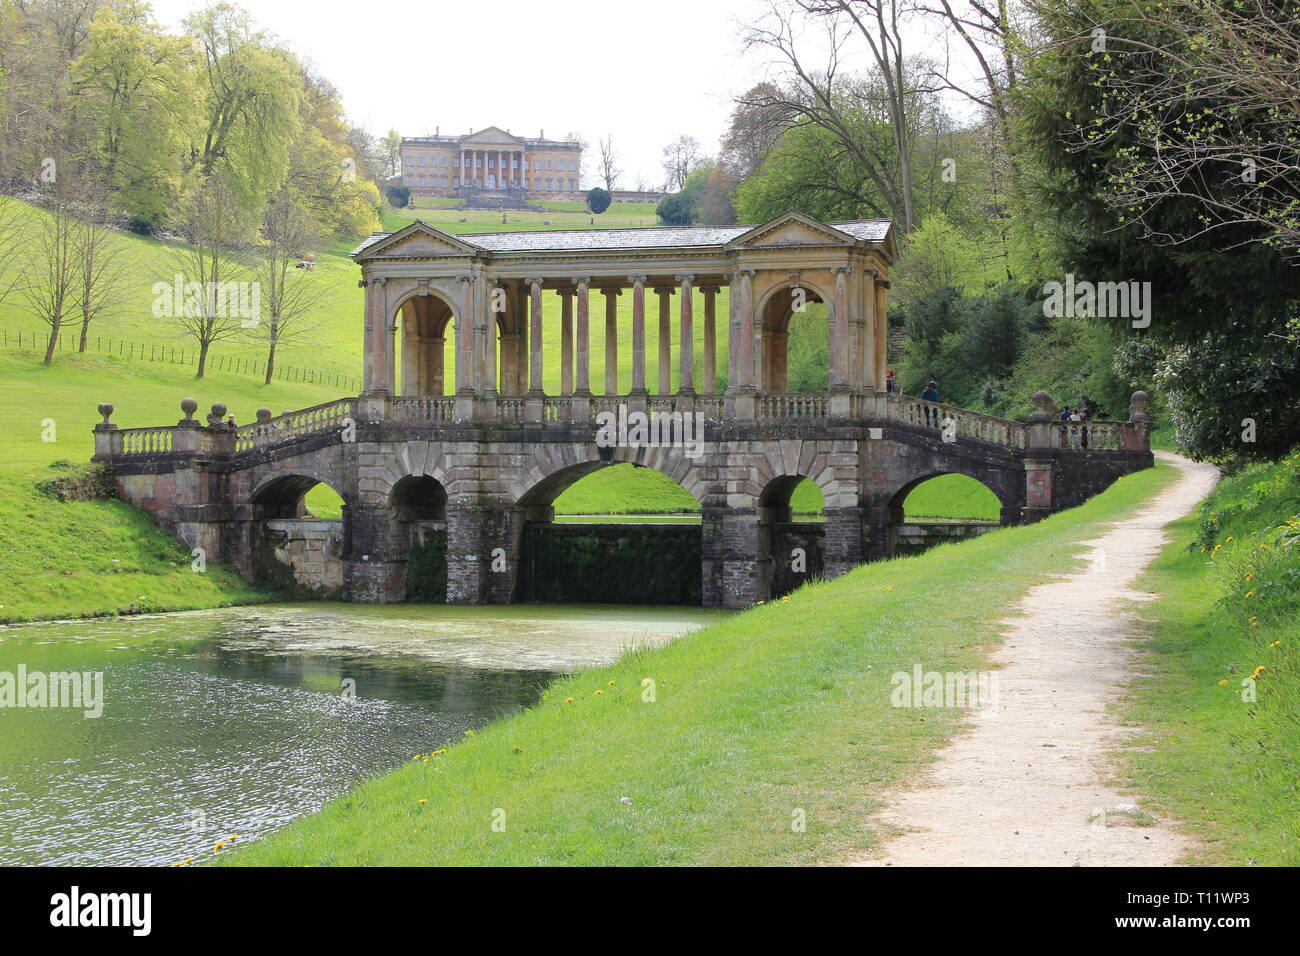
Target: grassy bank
[1226, 628]
[780, 711]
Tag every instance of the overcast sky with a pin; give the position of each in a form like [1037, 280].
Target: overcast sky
[645, 71]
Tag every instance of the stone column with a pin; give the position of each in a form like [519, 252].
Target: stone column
[583, 384]
[665, 340]
[535, 338]
[686, 370]
[376, 319]
[710, 339]
[535, 404]
[638, 335]
[839, 333]
[867, 356]
[611, 339]
[509, 363]
[740, 347]
[465, 349]
[410, 354]
[566, 341]
[491, 328]
[882, 333]
[433, 371]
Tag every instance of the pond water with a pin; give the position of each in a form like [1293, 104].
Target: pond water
[239, 720]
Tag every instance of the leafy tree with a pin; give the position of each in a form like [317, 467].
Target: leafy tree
[399, 196]
[598, 199]
[133, 90]
[674, 209]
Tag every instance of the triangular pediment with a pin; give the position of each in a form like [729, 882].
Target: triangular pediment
[419, 240]
[492, 136]
[791, 229]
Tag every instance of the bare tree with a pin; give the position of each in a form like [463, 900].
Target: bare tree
[681, 156]
[1208, 90]
[290, 294]
[50, 279]
[609, 171]
[13, 229]
[820, 96]
[210, 293]
[100, 258]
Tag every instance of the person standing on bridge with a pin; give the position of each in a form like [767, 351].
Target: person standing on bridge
[931, 394]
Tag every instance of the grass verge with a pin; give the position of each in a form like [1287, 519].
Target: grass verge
[1219, 700]
[779, 713]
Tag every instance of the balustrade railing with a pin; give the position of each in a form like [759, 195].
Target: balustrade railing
[307, 421]
[145, 441]
[424, 408]
[783, 405]
[959, 422]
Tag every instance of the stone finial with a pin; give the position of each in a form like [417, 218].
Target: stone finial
[263, 416]
[189, 406]
[1044, 408]
[106, 410]
[217, 414]
[1137, 407]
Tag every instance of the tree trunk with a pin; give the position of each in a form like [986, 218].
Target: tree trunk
[85, 333]
[270, 363]
[54, 339]
[203, 357]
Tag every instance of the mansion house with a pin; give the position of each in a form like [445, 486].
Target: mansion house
[491, 161]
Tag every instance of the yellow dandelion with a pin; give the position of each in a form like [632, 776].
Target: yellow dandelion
[424, 800]
[568, 700]
[1222, 682]
[1275, 644]
[611, 683]
[1250, 594]
[598, 693]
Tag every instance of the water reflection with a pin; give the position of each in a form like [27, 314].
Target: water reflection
[240, 720]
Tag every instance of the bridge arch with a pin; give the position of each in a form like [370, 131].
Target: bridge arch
[418, 511]
[290, 549]
[617, 559]
[793, 550]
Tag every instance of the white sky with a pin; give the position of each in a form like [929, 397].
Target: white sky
[645, 71]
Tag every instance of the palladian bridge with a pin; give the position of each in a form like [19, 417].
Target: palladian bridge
[463, 485]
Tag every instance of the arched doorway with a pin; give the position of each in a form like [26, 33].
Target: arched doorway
[611, 533]
[419, 510]
[427, 346]
[795, 353]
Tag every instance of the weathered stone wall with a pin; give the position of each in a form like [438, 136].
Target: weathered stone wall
[612, 563]
[808, 537]
[915, 538]
[310, 550]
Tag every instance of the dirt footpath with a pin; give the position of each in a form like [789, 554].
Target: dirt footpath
[1022, 787]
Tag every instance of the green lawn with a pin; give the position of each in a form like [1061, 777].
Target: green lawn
[779, 712]
[1226, 766]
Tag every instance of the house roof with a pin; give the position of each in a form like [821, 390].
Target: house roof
[652, 237]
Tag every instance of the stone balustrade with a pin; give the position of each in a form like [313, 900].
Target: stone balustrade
[951, 423]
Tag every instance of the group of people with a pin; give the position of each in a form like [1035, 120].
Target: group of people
[1077, 437]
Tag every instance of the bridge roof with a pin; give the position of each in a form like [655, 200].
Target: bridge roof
[652, 237]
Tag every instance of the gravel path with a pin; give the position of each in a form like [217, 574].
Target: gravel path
[1022, 787]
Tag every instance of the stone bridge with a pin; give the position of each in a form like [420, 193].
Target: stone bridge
[466, 474]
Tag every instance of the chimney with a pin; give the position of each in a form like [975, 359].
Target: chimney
[542, 135]
[437, 130]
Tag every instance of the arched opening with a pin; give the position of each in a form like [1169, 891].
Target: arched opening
[791, 543]
[795, 342]
[599, 533]
[419, 509]
[940, 508]
[427, 346]
[298, 536]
